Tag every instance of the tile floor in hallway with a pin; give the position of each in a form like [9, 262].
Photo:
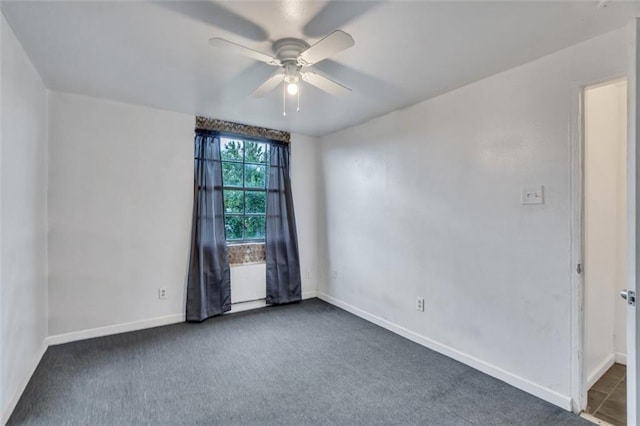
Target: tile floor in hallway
[607, 399]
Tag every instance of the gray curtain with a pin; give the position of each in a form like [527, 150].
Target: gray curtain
[281, 240]
[208, 283]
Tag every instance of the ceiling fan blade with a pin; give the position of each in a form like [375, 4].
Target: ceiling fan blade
[335, 42]
[219, 16]
[268, 85]
[336, 14]
[230, 46]
[325, 84]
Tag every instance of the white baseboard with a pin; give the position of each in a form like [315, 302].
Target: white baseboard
[114, 329]
[261, 303]
[599, 371]
[519, 382]
[309, 294]
[6, 412]
[621, 358]
[246, 306]
[148, 323]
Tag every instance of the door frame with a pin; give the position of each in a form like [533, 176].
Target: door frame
[578, 384]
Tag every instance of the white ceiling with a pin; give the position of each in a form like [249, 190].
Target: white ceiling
[157, 53]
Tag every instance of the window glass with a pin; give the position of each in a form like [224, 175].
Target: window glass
[233, 201]
[255, 202]
[254, 175]
[231, 150]
[255, 227]
[233, 227]
[256, 152]
[245, 165]
[232, 174]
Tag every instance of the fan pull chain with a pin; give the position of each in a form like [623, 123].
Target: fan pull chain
[298, 109]
[284, 100]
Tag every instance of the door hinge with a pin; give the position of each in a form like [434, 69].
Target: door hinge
[579, 268]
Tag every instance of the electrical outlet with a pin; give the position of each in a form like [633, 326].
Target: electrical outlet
[420, 304]
[162, 293]
[334, 274]
[307, 274]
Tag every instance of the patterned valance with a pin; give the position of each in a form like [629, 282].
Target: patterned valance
[205, 123]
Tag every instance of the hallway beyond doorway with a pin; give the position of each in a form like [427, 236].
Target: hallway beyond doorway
[608, 397]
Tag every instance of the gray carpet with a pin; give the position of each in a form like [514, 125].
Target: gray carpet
[301, 364]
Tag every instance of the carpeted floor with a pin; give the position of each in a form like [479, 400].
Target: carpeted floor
[301, 364]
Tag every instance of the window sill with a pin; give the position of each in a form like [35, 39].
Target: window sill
[246, 253]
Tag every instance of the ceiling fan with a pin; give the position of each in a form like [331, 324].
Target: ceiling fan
[293, 55]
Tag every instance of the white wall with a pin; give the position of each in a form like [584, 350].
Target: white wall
[425, 201]
[23, 248]
[605, 223]
[120, 202]
[304, 183]
[120, 197]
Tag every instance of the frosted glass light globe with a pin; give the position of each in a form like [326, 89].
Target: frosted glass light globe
[292, 88]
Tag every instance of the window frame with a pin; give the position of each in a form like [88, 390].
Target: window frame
[244, 215]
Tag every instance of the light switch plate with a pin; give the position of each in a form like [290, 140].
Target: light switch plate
[532, 195]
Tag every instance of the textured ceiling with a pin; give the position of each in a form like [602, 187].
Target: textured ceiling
[157, 53]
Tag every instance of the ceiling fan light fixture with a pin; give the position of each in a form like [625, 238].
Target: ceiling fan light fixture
[291, 79]
[292, 88]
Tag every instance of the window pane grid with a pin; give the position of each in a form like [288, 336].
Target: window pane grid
[245, 172]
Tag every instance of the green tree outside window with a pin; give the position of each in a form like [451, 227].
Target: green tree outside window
[245, 166]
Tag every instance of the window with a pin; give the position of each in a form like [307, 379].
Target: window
[244, 178]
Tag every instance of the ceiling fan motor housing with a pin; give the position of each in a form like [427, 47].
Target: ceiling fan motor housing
[288, 49]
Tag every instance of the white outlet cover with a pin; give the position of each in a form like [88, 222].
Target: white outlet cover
[162, 293]
[532, 195]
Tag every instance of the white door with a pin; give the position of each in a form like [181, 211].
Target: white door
[633, 183]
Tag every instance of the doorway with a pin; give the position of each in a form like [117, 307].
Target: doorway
[605, 250]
